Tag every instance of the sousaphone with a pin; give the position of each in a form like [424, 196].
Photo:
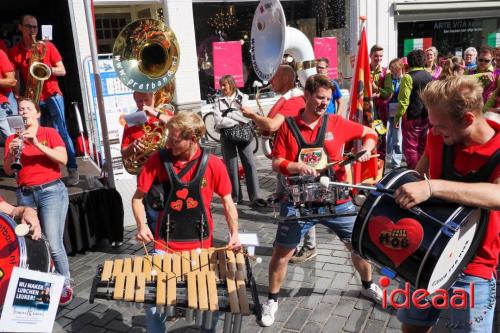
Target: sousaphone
[270, 40]
[146, 58]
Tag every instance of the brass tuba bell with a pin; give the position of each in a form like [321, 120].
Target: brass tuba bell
[146, 58]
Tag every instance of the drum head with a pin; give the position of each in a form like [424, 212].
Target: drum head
[10, 252]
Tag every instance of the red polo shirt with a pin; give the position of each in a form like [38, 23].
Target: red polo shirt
[215, 180]
[21, 56]
[3, 47]
[37, 167]
[469, 159]
[5, 67]
[288, 107]
[338, 132]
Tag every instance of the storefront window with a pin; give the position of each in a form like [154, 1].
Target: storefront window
[450, 37]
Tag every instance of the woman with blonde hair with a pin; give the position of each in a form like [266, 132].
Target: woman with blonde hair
[236, 139]
[431, 64]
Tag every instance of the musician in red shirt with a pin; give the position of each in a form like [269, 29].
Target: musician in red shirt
[303, 142]
[24, 214]
[190, 176]
[132, 138]
[51, 99]
[462, 161]
[39, 182]
[7, 82]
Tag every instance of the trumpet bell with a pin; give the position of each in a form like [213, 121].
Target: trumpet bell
[146, 55]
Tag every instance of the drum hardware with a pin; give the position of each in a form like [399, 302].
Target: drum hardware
[22, 229]
[406, 243]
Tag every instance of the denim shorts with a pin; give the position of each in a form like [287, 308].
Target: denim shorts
[289, 234]
[471, 319]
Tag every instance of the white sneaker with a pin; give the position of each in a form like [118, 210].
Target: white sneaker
[374, 293]
[268, 310]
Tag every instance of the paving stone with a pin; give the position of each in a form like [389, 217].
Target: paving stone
[63, 321]
[311, 327]
[394, 322]
[321, 285]
[356, 320]
[276, 327]
[331, 297]
[364, 304]
[298, 319]
[335, 261]
[285, 309]
[100, 308]
[392, 330]
[85, 307]
[344, 308]
[341, 281]
[334, 324]
[83, 320]
[106, 317]
[374, 326]
[311, 301]
[342, 254]
[77, 301]
[118, 326]
[139, 321]
[321, 313]
[91, 329]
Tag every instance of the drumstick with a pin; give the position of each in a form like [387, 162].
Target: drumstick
[325, 182]
[346, 161]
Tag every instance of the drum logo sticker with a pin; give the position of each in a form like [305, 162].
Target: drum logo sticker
[397, 240]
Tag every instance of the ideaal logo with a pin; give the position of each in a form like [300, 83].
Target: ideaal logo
[422, 299]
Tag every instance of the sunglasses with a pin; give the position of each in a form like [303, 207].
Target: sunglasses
[484, 60]
[319, 67]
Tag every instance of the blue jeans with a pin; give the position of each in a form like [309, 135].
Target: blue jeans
[394, 144]
[289, 234]
[157, 323]
[52, 206]
[13, 104]
[53, 116]
[476, 319]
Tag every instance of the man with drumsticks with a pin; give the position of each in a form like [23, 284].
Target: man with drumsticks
[190, 176]
[27, 215]
[310, 133]
[462, 161]
[288, 105]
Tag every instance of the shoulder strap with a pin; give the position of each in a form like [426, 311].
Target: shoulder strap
[481, 175]
[295, 131]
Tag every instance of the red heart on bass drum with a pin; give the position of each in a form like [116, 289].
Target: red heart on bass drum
[176, 205]
[182, 193]
[396, 240]
[191, 203]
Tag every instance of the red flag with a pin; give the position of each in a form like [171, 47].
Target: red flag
[361, 106]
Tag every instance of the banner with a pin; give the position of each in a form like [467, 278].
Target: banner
[227, 61]
[361, 104]
[416, 44]
[31, 302]
[326, 47]
[494, 39]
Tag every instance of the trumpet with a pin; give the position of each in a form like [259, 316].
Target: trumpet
[16, 165]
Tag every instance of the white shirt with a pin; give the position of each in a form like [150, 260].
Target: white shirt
[227, 119]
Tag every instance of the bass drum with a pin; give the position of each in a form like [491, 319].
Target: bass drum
[19, 251]
[417, 244]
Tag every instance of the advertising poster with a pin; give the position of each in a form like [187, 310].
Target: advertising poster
[326, 47]
[228, 61]
[31, 302]
[118, 101]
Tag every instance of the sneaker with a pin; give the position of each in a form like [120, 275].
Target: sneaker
[66, 296]
[259, 203]
[374, 293]
[303, 255]
[73, 177]
[268, 310]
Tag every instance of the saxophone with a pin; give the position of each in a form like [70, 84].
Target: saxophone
[38, 71]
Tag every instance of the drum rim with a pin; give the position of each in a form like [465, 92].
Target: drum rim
[23, 257]
[376, 201]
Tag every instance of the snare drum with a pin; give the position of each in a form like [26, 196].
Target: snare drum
[427, 246]
[313, 193]
[19, 251]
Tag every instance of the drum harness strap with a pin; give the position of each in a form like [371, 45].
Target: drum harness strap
[189, 221]
[481, 175]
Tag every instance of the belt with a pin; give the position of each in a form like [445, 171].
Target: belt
[39, 187]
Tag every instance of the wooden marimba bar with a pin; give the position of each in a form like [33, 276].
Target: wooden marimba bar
[194, 284]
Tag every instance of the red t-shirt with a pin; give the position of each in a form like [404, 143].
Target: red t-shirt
[5, 67]
[215, 180]
[338, 132]
[1, 199]
[21, 56]
[3, 47]
[469, 159]
[37, 167]
[130, 134]
[288, 107]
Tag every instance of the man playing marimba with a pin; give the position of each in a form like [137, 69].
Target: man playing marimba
[311, 135]
[190, 176]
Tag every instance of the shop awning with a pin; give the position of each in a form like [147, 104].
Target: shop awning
[405, 11]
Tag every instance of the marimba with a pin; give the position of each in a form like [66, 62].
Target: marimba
[193, 284]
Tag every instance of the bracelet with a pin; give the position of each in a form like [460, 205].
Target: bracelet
[429, 184]
[284, 167]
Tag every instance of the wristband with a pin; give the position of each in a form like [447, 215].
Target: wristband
[370, 136]
[284, 167]
[158, 115]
